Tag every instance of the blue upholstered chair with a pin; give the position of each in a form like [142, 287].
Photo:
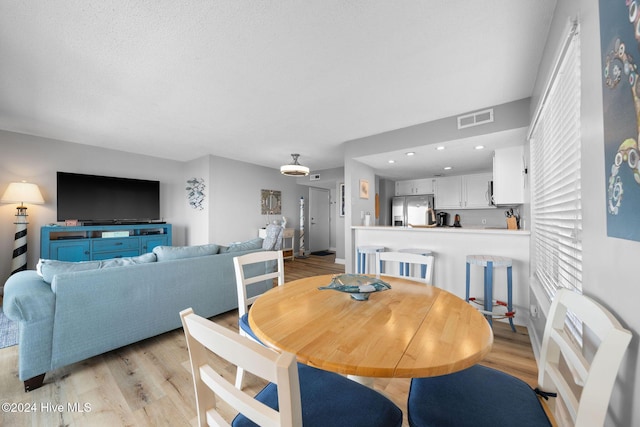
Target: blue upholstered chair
[480, 396]
[297, 395]
[244, 282]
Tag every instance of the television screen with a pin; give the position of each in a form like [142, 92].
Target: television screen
[105, 199]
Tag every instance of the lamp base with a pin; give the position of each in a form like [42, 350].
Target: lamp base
[19, 261]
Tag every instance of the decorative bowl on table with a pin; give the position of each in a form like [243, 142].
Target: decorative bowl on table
[357, 285]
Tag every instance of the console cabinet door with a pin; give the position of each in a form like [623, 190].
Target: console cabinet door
[70, 250]
[147, 243]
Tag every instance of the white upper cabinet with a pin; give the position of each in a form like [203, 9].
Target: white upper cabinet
[508, 176]
[414, 186]
[478, 191]
[448, 192]
[463, 192]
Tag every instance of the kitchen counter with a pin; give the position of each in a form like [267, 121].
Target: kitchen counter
[480, 229]
[451, 245]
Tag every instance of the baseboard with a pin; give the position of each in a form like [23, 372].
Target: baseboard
[339, 261]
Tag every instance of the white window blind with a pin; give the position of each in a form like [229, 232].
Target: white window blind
[556, 200]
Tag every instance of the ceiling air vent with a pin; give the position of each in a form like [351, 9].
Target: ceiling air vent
[475, 119]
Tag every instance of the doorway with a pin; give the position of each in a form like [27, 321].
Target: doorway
[319, 222]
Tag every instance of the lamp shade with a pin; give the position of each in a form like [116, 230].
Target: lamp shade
[22, 192]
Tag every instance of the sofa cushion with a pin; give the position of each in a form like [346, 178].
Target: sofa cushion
[167, 253]
[244, 246]
[120, 262]
[48, 268]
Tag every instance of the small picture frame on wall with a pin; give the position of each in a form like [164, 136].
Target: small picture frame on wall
[342, 197]
[364, 189]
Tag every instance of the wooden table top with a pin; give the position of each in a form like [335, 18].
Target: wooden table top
[411, 330]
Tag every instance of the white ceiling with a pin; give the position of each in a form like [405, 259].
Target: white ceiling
[257, 80]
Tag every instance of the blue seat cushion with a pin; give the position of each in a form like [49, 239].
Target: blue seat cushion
[477, 396]
[244, 325]
[329, 399]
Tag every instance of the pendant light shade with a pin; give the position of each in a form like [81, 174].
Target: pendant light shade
[294, 168]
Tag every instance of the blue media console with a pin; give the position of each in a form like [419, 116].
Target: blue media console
[96, 242]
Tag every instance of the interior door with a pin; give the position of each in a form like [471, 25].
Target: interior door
[319, 224]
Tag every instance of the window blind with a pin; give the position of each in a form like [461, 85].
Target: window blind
[556, 200]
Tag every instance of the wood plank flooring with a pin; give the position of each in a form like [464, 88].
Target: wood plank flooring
[149, 383]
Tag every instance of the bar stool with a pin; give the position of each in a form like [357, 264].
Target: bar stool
[423, 269]
[363, 251]
[488, 262]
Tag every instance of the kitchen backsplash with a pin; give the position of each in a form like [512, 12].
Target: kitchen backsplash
[492, 218]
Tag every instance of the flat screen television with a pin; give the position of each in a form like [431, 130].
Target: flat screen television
[93, 199]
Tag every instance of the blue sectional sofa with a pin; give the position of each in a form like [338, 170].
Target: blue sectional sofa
[90, 308]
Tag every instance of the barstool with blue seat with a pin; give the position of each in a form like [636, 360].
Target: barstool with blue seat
[489, 262]
[363, 252]
[423, 269]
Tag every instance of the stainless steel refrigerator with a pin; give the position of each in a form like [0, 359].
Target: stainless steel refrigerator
[412, 210]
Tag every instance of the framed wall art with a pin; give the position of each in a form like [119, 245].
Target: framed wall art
[364, 189]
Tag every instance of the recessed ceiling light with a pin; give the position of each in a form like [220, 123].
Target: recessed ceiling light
[479, 147]
[440, 147]
[392, 161]
[448, 168]
[410, 153]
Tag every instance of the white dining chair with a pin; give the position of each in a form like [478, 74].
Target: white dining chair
[296, 395]
[398, 264]
[248, 277]
[481, 396]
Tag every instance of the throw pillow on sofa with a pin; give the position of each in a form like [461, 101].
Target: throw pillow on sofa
[273, 239]
[167, 253]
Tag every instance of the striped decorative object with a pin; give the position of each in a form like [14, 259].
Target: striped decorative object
[21, 192]
[19, 261]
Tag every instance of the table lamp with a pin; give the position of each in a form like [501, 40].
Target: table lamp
[21, 192]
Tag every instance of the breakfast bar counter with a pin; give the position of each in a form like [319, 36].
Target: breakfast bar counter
[451, 246]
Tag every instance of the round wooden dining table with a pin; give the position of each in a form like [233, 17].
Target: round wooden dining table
[411, 330]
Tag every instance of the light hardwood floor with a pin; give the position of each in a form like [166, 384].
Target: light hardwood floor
[149, 383]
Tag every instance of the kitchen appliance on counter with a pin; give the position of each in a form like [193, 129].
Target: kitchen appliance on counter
[443, 219]
[413, 211]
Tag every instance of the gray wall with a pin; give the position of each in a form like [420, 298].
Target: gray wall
[610, 272]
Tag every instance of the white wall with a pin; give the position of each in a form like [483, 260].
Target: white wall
[235, 213]
[610, 271]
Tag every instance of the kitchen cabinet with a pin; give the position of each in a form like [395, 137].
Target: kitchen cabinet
[508, 176]
[448, 192]
[463, 192]
[414, 186]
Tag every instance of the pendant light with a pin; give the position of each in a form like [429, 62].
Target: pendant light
[294, 168]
